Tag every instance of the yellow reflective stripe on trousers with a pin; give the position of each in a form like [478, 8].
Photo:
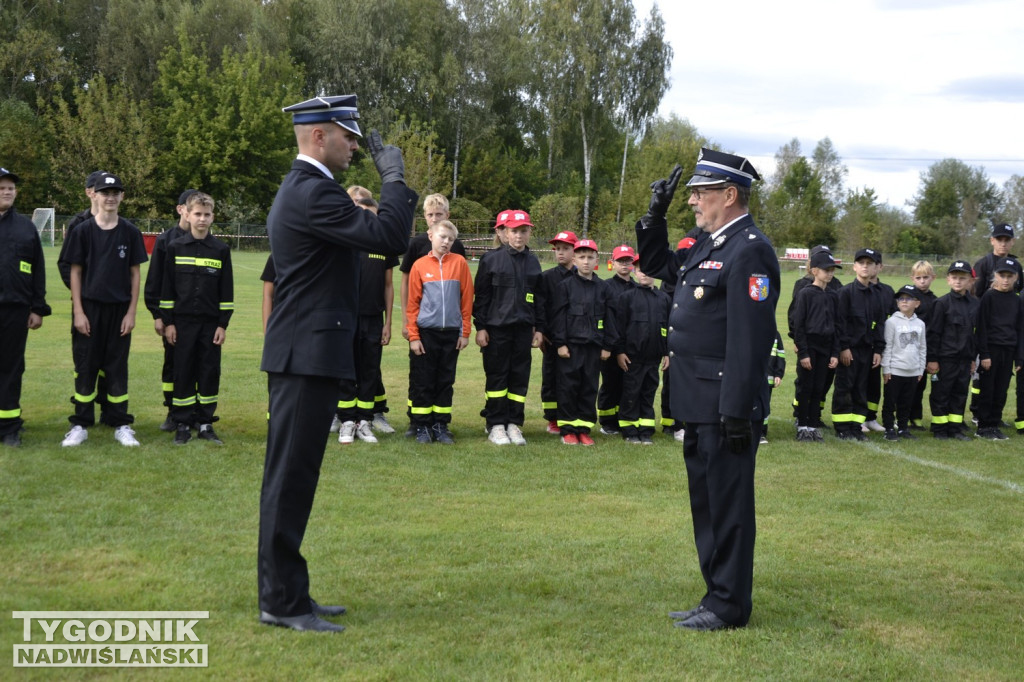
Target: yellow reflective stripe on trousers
[207, 399]
[10, 414]
[609, 412]
[167, 388]
[516, 398]
[496, 394]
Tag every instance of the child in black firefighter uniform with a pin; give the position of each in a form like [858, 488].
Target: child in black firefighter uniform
[997, 334]
[197, 299]
[610, 393]
[951, 350]
[638, 339]
[578, 332]
[562, 246]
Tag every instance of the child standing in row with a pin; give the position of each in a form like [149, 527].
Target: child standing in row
[923, 274]
[903, 363]
[610, 393]
[951, 351]
[813, 320]
[562, 245]
[998, 334]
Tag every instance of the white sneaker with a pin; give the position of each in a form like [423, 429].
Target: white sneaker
[873, 425]
[125, 436]
[76, 436]
[380, 423]
[365, 433]
[680, 435]
[335, 424]
[498, 435]
[346, 432]
[515, 434]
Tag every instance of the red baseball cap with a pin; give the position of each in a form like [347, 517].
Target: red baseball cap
[502, 218]
[585, 244]
[624, 251]
[516, 218]
[567, 237]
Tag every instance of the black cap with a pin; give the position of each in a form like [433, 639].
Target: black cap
[819, 248]
[908, 290]
[824, 259]
[90, 181]
[961, 266]
[185, 195]
[717, 168]
[4, 173]
[339, 108]
[108, 181]
[1006, 265]
[1002, 230]
[868, 253]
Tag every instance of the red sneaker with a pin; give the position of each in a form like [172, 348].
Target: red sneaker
[585, 439]
[553, 428]
[571, 439]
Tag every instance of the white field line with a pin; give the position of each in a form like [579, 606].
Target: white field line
[963, 473]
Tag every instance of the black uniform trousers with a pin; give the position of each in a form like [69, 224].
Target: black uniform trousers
[917, 406]
[196, 371]
[507, 357]
[636, 409]
[577, 388]
[549, 383]
[13, 337]
[432, 377]
[721, 487]
[850, 395]
[811, 384]
[103, 351]
[898, 400]
[609, 396]
[874, 392]
[167, 376]
[300, 422]
[1019, 422]
[993, 384]
[359, 399]
[948, 398]
[668, 423]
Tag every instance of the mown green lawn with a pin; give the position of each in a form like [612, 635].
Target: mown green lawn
[900, 561]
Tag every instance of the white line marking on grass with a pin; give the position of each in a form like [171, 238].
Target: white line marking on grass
[963, 473]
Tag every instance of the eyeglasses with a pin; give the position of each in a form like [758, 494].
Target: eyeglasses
[698, 194]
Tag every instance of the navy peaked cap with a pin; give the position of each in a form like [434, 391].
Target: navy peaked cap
[716, 168]
[4, 173]
[340, 108]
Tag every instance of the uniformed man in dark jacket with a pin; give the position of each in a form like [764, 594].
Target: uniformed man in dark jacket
[22, 302]
[721, 330]
[316, 235]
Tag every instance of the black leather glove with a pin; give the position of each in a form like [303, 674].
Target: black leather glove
[387, 158]
[662, 192]
[737, 433]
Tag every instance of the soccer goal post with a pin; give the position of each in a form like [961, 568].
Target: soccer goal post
[44, 219]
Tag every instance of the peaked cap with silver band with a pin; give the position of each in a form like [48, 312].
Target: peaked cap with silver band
[716, 168]
[340, 108]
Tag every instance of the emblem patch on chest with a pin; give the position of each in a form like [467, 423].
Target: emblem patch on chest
[711, 265]
[759, 287]
[698, 293]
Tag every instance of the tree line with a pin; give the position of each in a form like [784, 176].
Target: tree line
[546, 105]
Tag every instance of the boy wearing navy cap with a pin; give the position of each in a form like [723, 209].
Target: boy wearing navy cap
[903, 363]
[998, 335]
[505, 316]
[1002, 239]
[610, 393]
[105, 253]
[951, 352]
[578, 333]
[22, 302]
[562, 244]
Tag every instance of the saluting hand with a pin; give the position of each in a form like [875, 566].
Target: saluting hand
[387, 158]
[662, 192]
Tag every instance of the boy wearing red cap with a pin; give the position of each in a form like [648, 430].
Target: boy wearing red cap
[610, 394]
[562, 244]
[504, 312]
[578, 332]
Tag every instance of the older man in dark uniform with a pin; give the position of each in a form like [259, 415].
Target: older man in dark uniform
[721, 331]
[316, 235]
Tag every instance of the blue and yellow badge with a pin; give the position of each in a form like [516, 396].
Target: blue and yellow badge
[759, 287]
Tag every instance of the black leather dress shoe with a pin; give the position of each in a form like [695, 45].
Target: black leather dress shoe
[307, 622]
[319, 610]
[684, 615]
[705, 621]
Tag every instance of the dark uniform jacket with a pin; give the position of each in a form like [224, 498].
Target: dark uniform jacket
[834, 285]
[640, 324]
[813, 320]
[860, 317]
[951, 330]
[505, 286]
[22, 268]
[924, 310]
[998, 322]
[151, 292]
[316, 235]
[545, 295]
[722, 323]
[581, 312]
[198, 280]
[63, 265]
[984, 271]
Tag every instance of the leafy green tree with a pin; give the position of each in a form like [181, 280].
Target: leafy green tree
[23, 147]
[955, 203]
[798, 211]
[553, 213]
[830, 168]
[426, 169]
[1013, 201]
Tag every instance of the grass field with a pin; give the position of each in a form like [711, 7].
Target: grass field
[894, 561]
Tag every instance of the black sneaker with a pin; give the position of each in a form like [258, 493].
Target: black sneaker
[423, 435]
[646, 440]
[890, 434]
[848, 435]
[999, 435]
[12, 440]
[632, 440]
[411, 431]
[942, 435]
[169, 425]
[206, 432]
[183, 434]
[440, 433]
[959, 435]
[906, 434]
[987, 434]
[860, 435]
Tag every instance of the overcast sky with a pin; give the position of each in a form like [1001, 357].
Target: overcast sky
[895, 84]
